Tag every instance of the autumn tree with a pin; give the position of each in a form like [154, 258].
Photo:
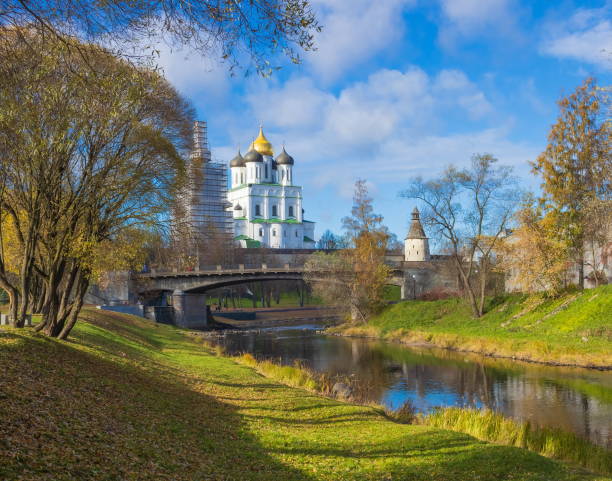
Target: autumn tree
[534, 258]
[356, 276]
[469, 210]
[575, 167]
[236, 31]
[597, 237]
[87, 153]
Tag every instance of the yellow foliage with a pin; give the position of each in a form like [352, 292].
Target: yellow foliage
[11, 247]
[535, 257]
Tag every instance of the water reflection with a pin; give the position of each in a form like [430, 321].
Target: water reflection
[574, 399]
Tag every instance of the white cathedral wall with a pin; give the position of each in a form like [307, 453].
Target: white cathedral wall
[285, 175]
[288, 235]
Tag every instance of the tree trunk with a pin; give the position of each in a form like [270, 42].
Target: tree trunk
[77, 304]
[468, 288]
[13, 305]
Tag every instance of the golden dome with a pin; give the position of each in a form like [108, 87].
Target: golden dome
[262, 145]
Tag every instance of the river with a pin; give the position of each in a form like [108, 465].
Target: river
[574, 399]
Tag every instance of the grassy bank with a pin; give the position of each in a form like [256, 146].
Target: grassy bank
[553, 443]
[575, 329]
[128, 399]
[483, 424]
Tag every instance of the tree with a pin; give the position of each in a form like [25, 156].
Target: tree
[230, 29]
[533, 257]
[86, 153]
[597, 237]
[355, 277]
[469, 210]
[331, 241]
[575, 167]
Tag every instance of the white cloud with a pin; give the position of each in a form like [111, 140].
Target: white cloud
[353, 32]
[464, 19]
[388, 128]
[193, 74]
[296, 104]
[454, 86]
[586, 36]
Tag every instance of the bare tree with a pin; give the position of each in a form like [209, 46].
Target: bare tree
[232, 30]
[470, 210]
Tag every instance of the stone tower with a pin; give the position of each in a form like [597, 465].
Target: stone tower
[416, 244]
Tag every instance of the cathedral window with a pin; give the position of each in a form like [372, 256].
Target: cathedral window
[257, 209]
[260, 232]
[296, 233]
[274, 211]
[273, 232]
[266, 170]
[290, 211]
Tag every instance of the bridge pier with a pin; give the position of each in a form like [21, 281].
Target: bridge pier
[189, 309]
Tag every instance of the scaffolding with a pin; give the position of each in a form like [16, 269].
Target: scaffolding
[203, 212]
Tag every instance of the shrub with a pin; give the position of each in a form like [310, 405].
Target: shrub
[438, 293]
[405, 414]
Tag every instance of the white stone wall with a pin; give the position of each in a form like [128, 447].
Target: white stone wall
[416, 250]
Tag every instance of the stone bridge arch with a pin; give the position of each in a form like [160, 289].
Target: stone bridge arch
[188, 289]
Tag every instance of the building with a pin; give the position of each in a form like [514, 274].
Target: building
[265, 203]
[202, 213]
[425, 275]
[416, 244]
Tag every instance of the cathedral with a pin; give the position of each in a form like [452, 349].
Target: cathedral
[266, 205]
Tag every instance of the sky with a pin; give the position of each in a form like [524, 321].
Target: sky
[403, 88]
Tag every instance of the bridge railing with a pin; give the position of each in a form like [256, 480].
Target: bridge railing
[259, 267]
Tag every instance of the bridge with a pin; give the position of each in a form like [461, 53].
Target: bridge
[188, 288]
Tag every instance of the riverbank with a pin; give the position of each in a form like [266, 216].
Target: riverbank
[572, 330]
[129, 399]
[267, 317]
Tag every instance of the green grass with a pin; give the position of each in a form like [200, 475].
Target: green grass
[553, 443]
[287, 299]
[574, 329]
[131, 400]
[392, 293]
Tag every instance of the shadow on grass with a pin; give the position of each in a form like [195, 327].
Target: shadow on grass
[70, 414]
[75, 414]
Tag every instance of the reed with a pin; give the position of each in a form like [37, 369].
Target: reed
[296, 375]
[494, 427]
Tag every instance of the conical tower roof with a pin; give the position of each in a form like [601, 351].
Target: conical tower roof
[416, 229]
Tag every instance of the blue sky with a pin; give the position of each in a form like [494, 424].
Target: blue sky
[400, 88]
